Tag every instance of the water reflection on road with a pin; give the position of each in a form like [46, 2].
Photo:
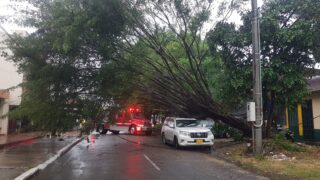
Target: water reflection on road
[16, 159]
[138, 157]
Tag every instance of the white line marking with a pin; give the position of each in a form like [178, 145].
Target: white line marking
[151, 162]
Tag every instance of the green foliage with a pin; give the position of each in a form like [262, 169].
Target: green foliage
[288, 51]
[236, 77]
[224, 130]
[68, 62]
[279, 143]
[90, 57]
[176, 78]
[236, 135]
[260, 157]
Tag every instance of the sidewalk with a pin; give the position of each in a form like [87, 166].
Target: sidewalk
[16, 158]
[7, 140]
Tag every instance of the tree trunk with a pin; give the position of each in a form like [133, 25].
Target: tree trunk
[269, 110]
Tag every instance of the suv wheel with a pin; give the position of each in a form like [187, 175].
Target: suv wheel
[164, 141]
[176, 143]
[132, 130]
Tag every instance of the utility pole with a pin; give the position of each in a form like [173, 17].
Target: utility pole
[257, 92]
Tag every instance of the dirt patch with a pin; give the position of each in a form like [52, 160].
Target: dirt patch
[275, 165]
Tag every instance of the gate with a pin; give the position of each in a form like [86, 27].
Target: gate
[307, 117]
[293, 122]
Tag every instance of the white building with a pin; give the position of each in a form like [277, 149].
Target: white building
[9, 79]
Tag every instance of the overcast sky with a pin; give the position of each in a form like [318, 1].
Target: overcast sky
[6, 10]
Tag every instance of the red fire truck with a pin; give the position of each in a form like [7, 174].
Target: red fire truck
[131, 120]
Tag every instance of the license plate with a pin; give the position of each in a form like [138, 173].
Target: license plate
[199, 141]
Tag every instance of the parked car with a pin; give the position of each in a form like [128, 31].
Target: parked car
[185, 132]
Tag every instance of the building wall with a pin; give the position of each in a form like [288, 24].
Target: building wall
[316, 114]
[300, 121]
[9, 77]
[4, 121]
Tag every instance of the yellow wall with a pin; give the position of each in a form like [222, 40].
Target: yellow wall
[300, 122]
[316, 109]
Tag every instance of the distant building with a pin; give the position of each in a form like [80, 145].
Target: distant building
[304, 119]
[10, 93]
[4, 109]
[314, 85]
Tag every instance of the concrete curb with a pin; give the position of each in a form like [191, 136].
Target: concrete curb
[29, 173]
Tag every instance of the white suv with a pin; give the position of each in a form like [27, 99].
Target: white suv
[185, 132]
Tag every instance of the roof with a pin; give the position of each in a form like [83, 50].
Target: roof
[314, 84]
[4, 94]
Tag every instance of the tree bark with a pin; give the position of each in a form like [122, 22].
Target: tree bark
[270, 115]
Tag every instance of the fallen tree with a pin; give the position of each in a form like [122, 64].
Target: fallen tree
[175, 71]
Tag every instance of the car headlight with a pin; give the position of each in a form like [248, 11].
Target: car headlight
[185, 133]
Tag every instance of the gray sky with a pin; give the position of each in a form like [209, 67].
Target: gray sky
[8, 72]
[9, 77]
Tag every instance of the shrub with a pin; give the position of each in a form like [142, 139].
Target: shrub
[224, 130]
[279, 142]
[236, 134]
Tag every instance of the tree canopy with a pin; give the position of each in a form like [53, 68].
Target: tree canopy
[289, 53]
[67, 60]
[104, 54]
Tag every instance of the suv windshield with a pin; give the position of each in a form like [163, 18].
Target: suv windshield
[206, 123]
[187, 123]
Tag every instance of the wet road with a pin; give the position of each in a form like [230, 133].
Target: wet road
[16, 159]
[138, 157]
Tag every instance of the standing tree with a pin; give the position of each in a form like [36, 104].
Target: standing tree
[67, 60]
[289, 52]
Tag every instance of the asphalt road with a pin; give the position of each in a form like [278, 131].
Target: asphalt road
[138, 157]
